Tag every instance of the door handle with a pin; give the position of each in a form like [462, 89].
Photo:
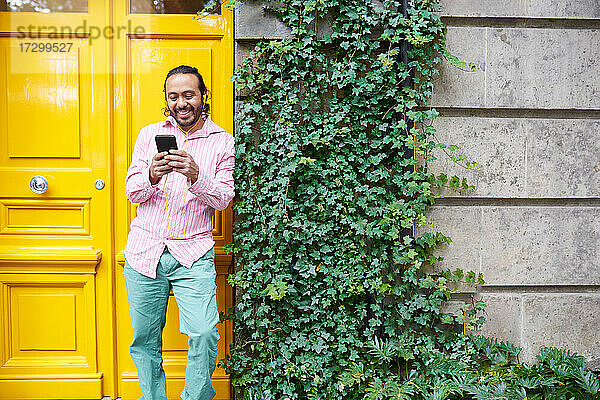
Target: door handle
[38, 184]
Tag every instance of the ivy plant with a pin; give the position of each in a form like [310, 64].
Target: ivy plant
[338, 295]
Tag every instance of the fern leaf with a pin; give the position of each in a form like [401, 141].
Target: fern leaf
[588, 381]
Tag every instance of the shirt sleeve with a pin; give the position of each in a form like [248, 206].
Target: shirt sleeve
[137, 183]
[217, 191]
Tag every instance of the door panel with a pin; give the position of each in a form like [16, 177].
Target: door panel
[44, 86]
[55, 247]
[49, 337]
[151, 59]
[36, 302]
[51, 217]
[142, 61]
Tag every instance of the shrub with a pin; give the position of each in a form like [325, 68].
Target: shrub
[337, 297]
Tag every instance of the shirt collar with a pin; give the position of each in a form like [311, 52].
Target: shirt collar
[208, 127]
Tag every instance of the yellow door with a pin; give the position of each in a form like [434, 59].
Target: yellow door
[161, 36]
[55, 246]
[78, 80]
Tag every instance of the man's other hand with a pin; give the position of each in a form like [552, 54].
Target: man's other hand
[183, 163]
[159, 167]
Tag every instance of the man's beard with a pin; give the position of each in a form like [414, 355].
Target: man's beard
[187, 122]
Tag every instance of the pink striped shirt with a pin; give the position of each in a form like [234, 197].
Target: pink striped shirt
[174, 213]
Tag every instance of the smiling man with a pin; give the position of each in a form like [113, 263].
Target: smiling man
[170, 244]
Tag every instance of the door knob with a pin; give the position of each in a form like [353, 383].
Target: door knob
[38, 184]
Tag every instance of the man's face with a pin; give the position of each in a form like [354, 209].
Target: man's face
[184, 98]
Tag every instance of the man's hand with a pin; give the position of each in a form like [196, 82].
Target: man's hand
[183, 163]
[159, 167]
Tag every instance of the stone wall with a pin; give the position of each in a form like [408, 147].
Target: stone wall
[530, 117]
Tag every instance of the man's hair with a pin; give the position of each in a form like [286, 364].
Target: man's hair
[186, 69]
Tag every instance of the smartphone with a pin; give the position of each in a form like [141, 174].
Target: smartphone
[165, 143]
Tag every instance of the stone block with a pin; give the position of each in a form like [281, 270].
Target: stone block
[242, 50]
[253, 21]
[453, 306]
[457, 88]
[502, 317]
[462, 224]
[580, 9]
[564, 320]
[502, 314]
[237, 105]
[498, 145]
[523, 157]
[540, 245]
[522, 68]
[543, 68]
[563, 158]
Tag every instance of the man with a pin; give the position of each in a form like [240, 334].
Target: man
[170, 244]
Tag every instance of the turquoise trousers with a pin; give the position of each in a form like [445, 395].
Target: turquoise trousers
[195, 293]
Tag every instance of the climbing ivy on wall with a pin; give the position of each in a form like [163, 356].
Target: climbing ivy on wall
[338, 297]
